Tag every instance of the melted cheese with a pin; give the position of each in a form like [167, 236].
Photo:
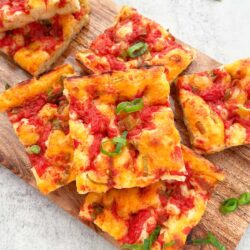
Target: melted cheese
[206, 128]
[26, 133]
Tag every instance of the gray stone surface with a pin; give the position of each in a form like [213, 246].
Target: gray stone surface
[29, 221]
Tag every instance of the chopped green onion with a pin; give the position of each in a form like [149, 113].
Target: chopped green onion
[120, 142]
[229, 205]
[97, 209]
[130, 107]
[169, 244]
[137, 49]
[95, 182]
[152, 238]
[244, 199]
[133, 246]
[210, 239]
[34, 149]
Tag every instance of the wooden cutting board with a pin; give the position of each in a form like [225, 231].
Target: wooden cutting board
[235, 161]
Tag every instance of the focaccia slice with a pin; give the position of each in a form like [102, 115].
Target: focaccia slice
[17, 13]
[36, 46]
[151, 43]
[216, 106]
[39, 114]
[152, 144]
[130, 215]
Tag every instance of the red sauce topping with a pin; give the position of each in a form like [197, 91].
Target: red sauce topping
[29, 109]
[89, 114]
[176, 197]
[94, 149]
[145, 116]
[135, 226]
[62, 3]
[40, 163]
[176, 155]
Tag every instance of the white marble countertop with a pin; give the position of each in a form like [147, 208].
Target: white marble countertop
[28, 220]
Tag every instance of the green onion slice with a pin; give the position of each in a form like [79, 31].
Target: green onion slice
[210, 239]
[133, 246]
[137, 49]
[152, 238]
[95, 182]
[120, 142]
[34, 149]
[169, 244]
[244, 199]
[130, 107]
[229, 205]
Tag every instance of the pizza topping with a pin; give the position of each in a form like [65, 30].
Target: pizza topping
[28, 109]
[119, 143]
[94, 181]
[96, 209]
[34, 149]
[210, 239]
[244, 199]
[168, 244]
[40, 163]
[137, 50]
[130, 107]
[229, 205]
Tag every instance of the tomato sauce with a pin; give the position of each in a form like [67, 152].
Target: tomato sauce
[135, 226]
[102, 45]
[89, 114]
[40, 163]
[62, 3]
[94, 149]
[115, 64]
[215, 94]
[29, 109]
[176, 197]
[145, 116]
[176, 155]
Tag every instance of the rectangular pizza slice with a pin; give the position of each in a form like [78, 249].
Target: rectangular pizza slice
[167, 209]
[17, 13]
[39, 114]
[132, 42]
[216, 106]
[123, 130]
[36, 46]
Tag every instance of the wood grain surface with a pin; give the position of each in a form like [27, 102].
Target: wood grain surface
[234, 161]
